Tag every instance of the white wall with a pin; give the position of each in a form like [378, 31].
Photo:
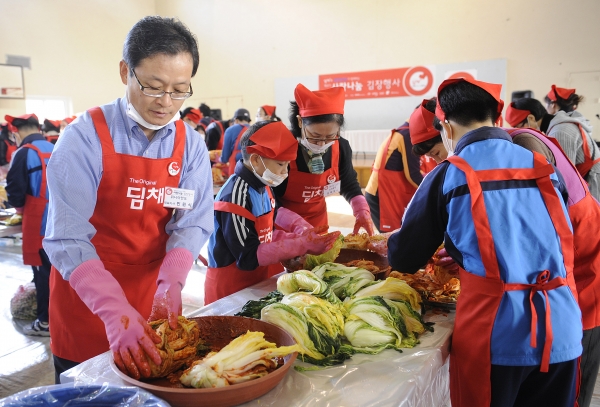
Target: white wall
[246, 44]
[75, 47]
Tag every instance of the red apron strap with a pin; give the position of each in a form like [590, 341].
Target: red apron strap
[335, 158]
[235, 209]
[179, 142]
[480, 219]
[384, 153]
[236, 149]
[102, 129]
[43, 157]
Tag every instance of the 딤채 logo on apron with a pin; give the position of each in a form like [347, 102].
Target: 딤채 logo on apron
[331, 179]
[173, 168]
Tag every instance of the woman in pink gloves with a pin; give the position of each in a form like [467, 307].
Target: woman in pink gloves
[324, 163]
[130, 207]
[245, 247]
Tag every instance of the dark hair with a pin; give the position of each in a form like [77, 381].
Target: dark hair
[567, 105]
[424, 147]
[204, 109]
[185, 112]
[245, 141]
[546, 122]
[29, 124]
[465, 103]
[324, 118]
[533, 105]
[154, 35]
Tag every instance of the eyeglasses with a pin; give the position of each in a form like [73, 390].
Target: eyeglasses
[158, 93]
[314, 140]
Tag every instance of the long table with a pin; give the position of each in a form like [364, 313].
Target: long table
[417, 377]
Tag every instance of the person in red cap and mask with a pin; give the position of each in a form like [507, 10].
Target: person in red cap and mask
[426, 139]
[501, 212]
[584, 213]
[193, 117]
[27, 191]
[266, 113]
[395, 177]
[8, 145]
[51, 130]
[245, 245]
[66, 121]
[324, 162]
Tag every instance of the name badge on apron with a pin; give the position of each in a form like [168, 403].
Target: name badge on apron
[331, 189]
[179, 198]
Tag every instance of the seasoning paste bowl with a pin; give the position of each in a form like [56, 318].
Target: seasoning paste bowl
[218, 331]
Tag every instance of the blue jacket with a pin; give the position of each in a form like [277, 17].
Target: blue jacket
[524, 236]
[235, 238]
[25, 174]
[231, 134]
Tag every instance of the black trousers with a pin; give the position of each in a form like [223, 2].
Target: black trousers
[61, 365]
[41, 279]
[526, 386]
[590, 361]
[373, 201]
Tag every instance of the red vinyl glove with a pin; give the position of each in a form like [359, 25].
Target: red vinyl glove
[130, 338]
[171, 280]
[291, 221]
[362, 213]
[443, 259]
[311, 242]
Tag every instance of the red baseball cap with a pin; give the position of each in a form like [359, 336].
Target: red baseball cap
[274, 141]
[194, 115]
[562, 93]
[18, 121]
[269, 110]
[492, 88]
[515, 116]
[421, 124]
[319, 102]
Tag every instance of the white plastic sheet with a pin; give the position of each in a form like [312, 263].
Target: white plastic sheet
[417, 377]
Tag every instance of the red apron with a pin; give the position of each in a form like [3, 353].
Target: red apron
[130, 239]
[427, 164]
[304, 192]
[587, 163]
[584, 215]
[220, 143]
[470, 359]
[10, 149]
[394, 191]
[33, 216]
[223, 281]
[236, 150]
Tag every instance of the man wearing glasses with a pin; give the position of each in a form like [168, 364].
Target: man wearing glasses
[130, 207]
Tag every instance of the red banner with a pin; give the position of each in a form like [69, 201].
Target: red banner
[413, 81]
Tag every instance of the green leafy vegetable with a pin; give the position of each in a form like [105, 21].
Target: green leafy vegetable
[313, 261]
[392, 289]
[344, 281]
[307, 281]
[253, 307]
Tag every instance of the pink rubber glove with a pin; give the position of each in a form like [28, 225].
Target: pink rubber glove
[171, 280]
[362, 213]
[19, 211]
[130, 338]
[443, 259]
[280, 235]
[311, 242]
[291, 221]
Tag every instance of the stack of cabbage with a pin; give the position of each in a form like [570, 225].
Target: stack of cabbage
[373, 316]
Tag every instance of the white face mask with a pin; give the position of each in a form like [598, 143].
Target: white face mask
[269, 178]
[136, 117]
[315, 148]
[447, 143]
